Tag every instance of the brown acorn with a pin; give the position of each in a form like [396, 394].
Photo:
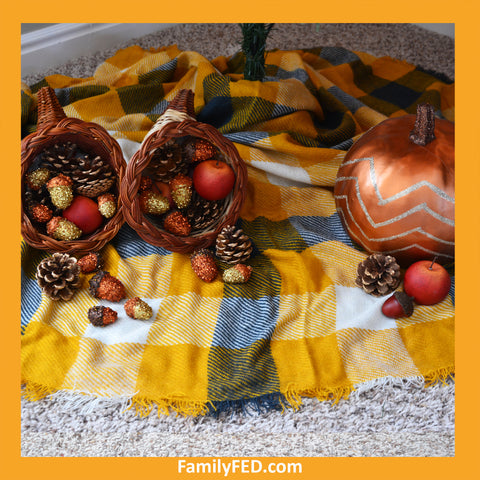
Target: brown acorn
[398, 305]
[176, 223]
[91, 262]
[203, 264]
[106, 287]
[41, 213]
[100, 316]
[198, 150]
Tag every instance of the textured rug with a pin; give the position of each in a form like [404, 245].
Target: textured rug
[65, 442]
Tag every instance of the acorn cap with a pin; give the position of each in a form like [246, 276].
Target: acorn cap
[405, 302]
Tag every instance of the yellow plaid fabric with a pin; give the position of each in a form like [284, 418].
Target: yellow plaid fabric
[300, 326]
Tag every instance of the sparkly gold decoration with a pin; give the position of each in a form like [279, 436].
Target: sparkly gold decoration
[153, 203]
[181, 190]
[62, 229]
[239, 273]
[37, 178]
[138, 309]
[204, 266]
[107, 205]
[61, 191]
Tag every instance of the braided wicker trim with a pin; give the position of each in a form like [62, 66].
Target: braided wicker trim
[168, 116]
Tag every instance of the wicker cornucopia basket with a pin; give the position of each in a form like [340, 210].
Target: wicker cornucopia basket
[177, 126]
[55, 128]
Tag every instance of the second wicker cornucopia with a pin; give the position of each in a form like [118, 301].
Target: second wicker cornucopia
[174, 129]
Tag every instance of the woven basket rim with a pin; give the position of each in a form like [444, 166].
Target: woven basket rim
[84, 133]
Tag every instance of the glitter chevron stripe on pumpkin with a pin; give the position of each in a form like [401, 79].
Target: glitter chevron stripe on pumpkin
[396, 196]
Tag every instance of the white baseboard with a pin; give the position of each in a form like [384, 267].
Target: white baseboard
[57, 44]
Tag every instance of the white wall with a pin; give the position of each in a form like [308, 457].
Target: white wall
[52, 44]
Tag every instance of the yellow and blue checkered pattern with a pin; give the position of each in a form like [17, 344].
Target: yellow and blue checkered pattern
[300, 326]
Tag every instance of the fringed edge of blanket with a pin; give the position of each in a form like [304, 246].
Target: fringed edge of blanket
[291, 398]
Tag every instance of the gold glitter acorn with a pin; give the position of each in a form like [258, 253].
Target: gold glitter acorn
[181, 190]
[153, 203]
[107, 205]
[106, 287]
[36, 179]
[138, 309]
[91, 262]
[203, 264]
[62, 229]
[239, 273]
[100, 316]
[61, 191]
[178, 224]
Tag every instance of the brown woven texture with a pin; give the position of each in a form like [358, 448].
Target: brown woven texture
[152, 233]
[54, 127]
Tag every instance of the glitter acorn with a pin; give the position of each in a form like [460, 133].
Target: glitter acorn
[198, 150]
[153, 203]
[41, 213]
[61, 191]
[239, 273]
[107, 205]
[106, 287]
[36, 179]
[203, 264]
[62, 229]
[91, 262]
[100, 316]
[178, 224]
[181, 190]
[138, 309]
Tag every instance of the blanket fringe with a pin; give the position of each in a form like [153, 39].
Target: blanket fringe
[291, 398]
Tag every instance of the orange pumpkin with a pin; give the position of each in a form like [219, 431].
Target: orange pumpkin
[394, 190]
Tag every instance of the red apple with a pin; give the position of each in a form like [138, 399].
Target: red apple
[84, 213]
[213, 179]
[426, 282]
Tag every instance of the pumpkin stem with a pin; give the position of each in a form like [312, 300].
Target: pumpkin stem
[423, 131]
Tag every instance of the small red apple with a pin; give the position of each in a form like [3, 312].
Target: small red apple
[84, 213]
[427, 282]
[213, 179]
[164, 190]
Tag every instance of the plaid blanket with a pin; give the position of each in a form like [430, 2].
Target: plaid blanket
[300, 326]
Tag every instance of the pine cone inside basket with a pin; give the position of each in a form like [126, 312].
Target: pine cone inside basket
[378, 274]
[166, 162]
[233, 245]
[59, 276]
[203, 213]
[91, 175]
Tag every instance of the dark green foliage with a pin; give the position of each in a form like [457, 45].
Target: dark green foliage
[253, 46]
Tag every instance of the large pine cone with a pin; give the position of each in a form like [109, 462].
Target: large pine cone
[91, 176]
[378, 274]
[233, 245]
[59, 276]
[203, 213]
[166, 162]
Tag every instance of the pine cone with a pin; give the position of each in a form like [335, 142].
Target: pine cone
[203, 213]
[166, 162]
[378, 274]
[232, 245]
[91, 176]
[59, 276]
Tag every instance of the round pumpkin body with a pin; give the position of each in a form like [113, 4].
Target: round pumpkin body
[395, 196]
